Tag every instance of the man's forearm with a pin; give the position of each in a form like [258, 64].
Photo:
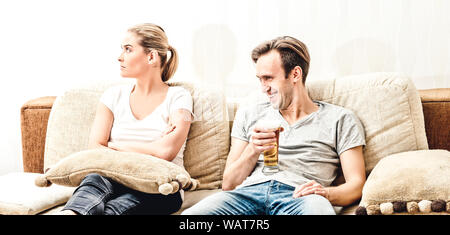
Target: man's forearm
[345, 194]
[240, 169]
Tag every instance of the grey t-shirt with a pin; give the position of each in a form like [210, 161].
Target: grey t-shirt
[309, 149]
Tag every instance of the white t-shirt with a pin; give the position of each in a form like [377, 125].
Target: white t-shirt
[126, 128]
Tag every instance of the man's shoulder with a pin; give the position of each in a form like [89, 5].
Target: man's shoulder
[250, 113]
[335, 109]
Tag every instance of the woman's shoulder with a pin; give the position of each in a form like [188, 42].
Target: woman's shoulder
[179, 97]
[177, 91]
[118, 89]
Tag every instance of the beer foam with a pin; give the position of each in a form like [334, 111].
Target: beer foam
[269, 124]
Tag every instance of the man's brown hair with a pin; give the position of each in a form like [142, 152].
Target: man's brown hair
[292, 51]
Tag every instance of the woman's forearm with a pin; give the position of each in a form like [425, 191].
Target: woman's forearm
[156, 148]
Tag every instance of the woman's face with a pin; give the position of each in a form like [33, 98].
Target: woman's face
[133, 59]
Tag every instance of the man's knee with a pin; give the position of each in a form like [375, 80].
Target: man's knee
[203, 207]
[317, 205]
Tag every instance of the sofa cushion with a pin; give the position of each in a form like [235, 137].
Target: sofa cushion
[413, 182]
[70, 121]
[191, 198]
[208, 142]
[387, 104]
[22, 197]
[207, 145]
[138, 171]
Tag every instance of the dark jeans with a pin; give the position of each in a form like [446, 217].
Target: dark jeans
[99, 195]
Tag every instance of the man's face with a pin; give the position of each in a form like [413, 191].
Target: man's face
[274, 84]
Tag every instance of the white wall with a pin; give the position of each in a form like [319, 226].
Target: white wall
[49, 46]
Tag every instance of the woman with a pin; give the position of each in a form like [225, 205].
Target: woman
[138, 118]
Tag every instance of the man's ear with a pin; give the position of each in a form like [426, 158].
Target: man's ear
[297, 74]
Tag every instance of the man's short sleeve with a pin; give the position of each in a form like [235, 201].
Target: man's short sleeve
[239, 129]
[350, 133]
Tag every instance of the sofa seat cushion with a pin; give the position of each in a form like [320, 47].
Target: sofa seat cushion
[20, 196]
[193, 197]
[190, 199]
[409, 182]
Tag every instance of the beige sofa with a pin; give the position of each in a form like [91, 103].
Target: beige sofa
[389, 106]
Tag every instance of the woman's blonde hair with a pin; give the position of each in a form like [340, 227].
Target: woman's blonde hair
[153, 37]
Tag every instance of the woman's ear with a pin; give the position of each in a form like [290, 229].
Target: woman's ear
[152, 57]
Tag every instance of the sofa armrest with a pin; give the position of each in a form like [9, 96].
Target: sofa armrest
[33, 121]
[436, 110]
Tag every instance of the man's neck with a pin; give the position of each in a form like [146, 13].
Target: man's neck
[300, 107]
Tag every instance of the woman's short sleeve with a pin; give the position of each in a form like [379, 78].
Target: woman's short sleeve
[109, 98]
[181, 99]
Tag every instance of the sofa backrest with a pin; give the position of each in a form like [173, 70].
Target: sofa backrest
[387, 104]
[207, 145]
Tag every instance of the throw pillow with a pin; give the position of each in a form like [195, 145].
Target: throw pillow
[138, 171]
[409, 182]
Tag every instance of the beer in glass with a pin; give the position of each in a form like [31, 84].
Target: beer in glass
[271, 155]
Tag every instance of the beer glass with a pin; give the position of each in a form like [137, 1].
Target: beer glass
[271, 155]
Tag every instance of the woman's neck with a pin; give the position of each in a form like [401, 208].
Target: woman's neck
[148, 85]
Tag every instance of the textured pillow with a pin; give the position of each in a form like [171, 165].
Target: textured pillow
[207, 145]
[70, 121]
[409, 182]
[387, 104]
[15, 196]
[138, 171]
[208, 142]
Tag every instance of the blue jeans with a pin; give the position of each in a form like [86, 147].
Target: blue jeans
[99, 195]
[268, 198]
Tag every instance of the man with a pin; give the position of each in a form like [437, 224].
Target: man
[317, 137]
